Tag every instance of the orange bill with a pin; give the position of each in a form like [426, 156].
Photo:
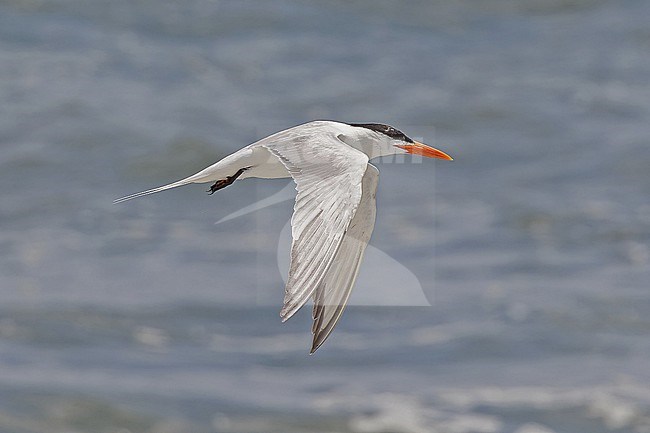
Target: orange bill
[417, 148]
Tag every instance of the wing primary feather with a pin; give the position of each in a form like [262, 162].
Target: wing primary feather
[332, 294]
[328, 175]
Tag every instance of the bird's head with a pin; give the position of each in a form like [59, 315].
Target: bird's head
[381, 140]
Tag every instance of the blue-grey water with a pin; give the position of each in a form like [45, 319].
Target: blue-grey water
[533, 246]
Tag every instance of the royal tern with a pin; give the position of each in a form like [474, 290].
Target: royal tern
[334, 211]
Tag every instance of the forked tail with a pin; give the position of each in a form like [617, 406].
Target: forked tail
[223, 173]
[153, 191]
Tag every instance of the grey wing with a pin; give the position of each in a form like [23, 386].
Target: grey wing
[328, 175]
[331, 296]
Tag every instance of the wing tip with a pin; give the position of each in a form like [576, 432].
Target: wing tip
[314, 346]
[320, 336]
[286, 314]
[293, 304]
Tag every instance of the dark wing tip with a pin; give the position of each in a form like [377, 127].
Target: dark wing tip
[315, 345]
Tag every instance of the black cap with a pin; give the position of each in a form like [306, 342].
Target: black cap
[384, 129]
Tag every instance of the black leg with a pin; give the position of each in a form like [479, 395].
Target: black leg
[222, 183]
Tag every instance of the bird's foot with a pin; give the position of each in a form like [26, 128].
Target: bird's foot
[222, 183]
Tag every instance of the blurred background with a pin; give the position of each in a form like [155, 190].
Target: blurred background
[532, 246]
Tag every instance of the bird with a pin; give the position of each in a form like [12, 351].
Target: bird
[335, 206]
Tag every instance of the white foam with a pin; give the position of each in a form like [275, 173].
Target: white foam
[533, 428]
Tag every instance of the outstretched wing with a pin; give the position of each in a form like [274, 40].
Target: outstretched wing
[333, 292]
[328, 175]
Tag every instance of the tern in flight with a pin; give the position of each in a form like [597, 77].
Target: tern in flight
[334, 211]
